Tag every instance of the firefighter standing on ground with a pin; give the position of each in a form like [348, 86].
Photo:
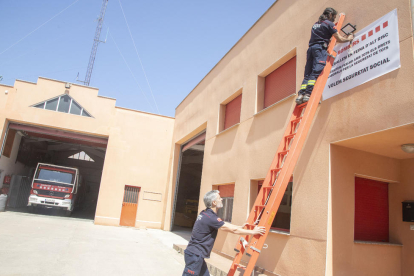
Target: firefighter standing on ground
[321, 34]
[205, 232]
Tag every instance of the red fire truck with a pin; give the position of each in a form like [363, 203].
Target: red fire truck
[55, 187]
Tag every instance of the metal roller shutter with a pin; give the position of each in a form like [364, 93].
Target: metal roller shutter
[371, 210]
[226, 190]
[232, 115]
[280, 83]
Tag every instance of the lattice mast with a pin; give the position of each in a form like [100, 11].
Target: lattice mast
[96, 42]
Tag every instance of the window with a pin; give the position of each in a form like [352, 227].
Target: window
[229, 113]
[371, 210]
[75, 109]
[227, 194]
[283, 215]
[50, 105]
[232, 112]
[280, 83]
[63, 103]
[277, 82]
[81, 156]
[55, 175]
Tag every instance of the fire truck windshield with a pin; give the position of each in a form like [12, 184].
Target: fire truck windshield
[57, 176]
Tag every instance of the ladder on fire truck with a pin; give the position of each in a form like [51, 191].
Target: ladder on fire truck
[274, 186]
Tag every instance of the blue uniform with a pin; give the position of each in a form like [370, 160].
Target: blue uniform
[317, 54]
[201, 243]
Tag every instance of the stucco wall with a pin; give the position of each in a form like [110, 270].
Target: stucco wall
[404, 192]
[9, 166]
[245, 151]
[348, 257]
[138, 154]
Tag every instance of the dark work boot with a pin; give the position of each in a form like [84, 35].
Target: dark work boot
[299, 99]
[306, 98]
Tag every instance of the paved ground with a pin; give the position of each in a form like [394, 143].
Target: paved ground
[49, 245]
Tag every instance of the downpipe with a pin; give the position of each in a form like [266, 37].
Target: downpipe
[412, 21]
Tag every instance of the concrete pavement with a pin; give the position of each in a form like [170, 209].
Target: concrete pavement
[50, 245]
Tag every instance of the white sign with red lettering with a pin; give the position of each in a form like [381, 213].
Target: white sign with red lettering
[375, 51]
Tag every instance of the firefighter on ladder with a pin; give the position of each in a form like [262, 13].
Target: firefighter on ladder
[321, 34]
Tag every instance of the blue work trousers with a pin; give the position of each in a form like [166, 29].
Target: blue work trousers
[315, 62]
[194, 265]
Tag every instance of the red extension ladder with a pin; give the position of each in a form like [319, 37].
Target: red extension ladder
[274, 186]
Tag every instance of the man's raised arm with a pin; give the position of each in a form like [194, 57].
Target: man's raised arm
[231, 228]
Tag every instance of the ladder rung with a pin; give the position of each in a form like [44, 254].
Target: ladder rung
[290, 136]
[241, 266]
[297, 120]
[302, 105]
[276, 170]
[283, 152]
[260, 206]
[267, 187]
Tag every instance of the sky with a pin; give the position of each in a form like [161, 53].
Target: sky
[150, 62]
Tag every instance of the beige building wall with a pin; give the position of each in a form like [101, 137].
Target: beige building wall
[405, 191]
[8, 165]
[355, 258]
[137, 154]
[244, 152]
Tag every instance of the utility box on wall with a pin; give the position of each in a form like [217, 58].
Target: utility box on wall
[408, 210]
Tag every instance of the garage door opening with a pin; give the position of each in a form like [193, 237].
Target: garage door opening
[38, 145]
[188, 185]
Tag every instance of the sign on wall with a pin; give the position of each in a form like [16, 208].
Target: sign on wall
[375, 51]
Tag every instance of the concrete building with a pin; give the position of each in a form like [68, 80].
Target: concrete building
[50, 121]
[224, 136]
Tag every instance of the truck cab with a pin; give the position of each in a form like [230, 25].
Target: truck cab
[55, 187]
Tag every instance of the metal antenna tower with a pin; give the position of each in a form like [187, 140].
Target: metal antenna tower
[95, 44]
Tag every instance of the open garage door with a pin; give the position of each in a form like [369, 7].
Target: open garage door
[187, 192]
[62, 148]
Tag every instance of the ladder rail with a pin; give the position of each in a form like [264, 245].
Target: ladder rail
[294, 145]
[267, 182]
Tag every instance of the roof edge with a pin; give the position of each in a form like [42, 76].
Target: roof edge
[107, 97]
[11, 86]
[69, 82]
[26, 81]
[139, 111]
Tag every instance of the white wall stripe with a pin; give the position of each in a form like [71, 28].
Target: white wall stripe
[105, 217]
[148, 221]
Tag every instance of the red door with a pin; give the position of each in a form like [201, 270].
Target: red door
[129, 206]
[371, 210]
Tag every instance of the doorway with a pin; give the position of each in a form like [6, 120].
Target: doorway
[188, 184]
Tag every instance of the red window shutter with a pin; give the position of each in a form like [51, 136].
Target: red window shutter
[371, 210]
[232, 115]
[280, 83]
[226, 190]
